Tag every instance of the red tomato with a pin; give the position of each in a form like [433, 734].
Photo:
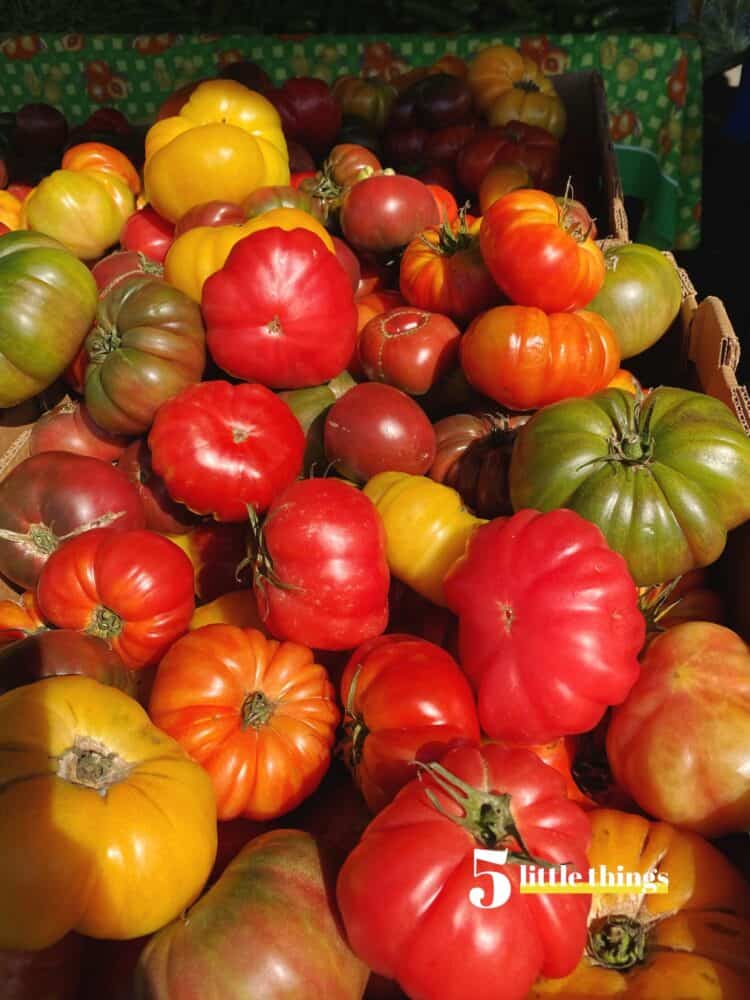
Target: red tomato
[404, 146]
[113, 268]
[549, 625]
[216, 551]
[425, 899]
[349, 261]
[69, 427]
[134, 590]
[442, 270]
[162, 512]
[444, 144]
[374, 275]
[446, 203]
[408, 348]
[386, 211]
[148, 233]
[310, 114]
[377, 428]
[300, 159]
[527, 145]
[534, 257]
[300, 176]
[439, 173]
[405, 699]
[320, 576]
[219, 447]
[370, 305]
[524, 359]
[281, 311]
[260, 716]
[210, 213]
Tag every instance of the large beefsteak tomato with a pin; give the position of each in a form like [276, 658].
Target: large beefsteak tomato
[107, 826]
[405, 700]
[524, 146]
[243, 446]
[320, 572]
[135, 590]
[281, 311]
[549, 625]
[664, 478]
[258, 715]
[428, 898]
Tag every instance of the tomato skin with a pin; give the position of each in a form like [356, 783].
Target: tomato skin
[119, 265]
[327, 547]
[159, 817]
[162, 513]
[404, 890]
[444, 144]
[20, 618]
[563, 676]
[384, 212]
[405, 700]
[244, 445]
[525, 359]
[216, 551]
[408, 348]
[500, 180]
[147, 233]
[523, 145]
[135, 590]
[99, 156]
[69, 427]
[210, 213]
[53, 973]
[310, 113]
[534, 259]
[281, 311]
[260, 716]
[267, 199]
[370, 100]
[377, 428]
[679, 742]
[349, 261]
[446, 203]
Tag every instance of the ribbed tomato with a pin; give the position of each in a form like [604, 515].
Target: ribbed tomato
[70, 427]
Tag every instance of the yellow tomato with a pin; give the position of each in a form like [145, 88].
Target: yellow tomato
[118, 190]
[107, 827]
[691, 942]
[426, 527]
[197, 254]
[225, 142]
[525, 102]
[10, 210]
[497, 68]
[238, 607]
[77, 210]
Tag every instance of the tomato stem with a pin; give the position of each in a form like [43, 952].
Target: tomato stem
[103, 342]
[105, 623]
[91, 764]
[257, 710]
[616, 942]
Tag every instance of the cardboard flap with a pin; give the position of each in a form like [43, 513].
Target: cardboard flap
[713, 342]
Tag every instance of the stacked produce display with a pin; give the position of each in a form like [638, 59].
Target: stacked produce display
[356, 583]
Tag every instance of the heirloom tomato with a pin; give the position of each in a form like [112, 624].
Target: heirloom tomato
[496, 69]
[260, 716]
[408, 348]
[691, 941]
[525, 359]
[349, 261]
[162, 513]
[310, 407]
[267, 199]
[532, 105]
[224, 142]
[47, 303]
[243, 446]
[664, 478]
[309, 111]
[101, 158]
[10, 210]
[369, 100]
[431, 894]
[236, 607]
[320, 571]
[20, 618]
[213, 214]
[514, 145]
[386, 211]
[405, 700]
[135, 590]
[502, 179]
[54, 496]
[122, 264]
[216, 552]
[426, 528]
[53, 973]
[146, 345]
[70, 427]
[101, 805]
[536, 257]
[680, 742]
[444, 144]
[147, 233]
[281, 311]
[549, 625]
[442, 270]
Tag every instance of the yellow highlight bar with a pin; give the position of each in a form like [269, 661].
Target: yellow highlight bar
[585, 889]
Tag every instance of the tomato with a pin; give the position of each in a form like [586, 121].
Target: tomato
[444, 144]
[527, 103]
[147, 233]
[561, 755]
[515, 144]
[52, 497]
[502, 179]
[375, 275]
[408, 892]
[278, 890]
[216, 552]
[640, 297]
[224, 142]
[387, 211]
[147, 345]
[69, 427]
[309, 112]
[47, 304]
[102, 805]
[98, 156]
[310, 407]
[118, 265]
[10, 210]
[689, 598]
[426, 526]
[162, 513]
[348, 163]
[679, 743]
[248, 73]
[664, 478]
[219, 447]
[535, 258]
[349, 261]
[281, 311]
[212, 214]
[320, 575]
[446, 203]
[497, 69]
[408, 348]
[236, 607]
[369, 100]
[260, 716]
[544, 663]
[405, 699]
[442, 270]
[135, 590]
[525, 359]
[623, 379]
[404, 146]
[692, 941]
[300, 158]
[377, 428]
[267, 199]
[56, 652]
[440, 100]
[53, 973]
[20, 618]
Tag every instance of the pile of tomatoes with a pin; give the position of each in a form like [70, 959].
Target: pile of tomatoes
[355, 578]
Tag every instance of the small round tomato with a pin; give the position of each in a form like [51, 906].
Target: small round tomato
[377, 428]
[146, 232]
[408, 348]
[387, 211]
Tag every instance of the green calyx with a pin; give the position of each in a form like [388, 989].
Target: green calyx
[102, 342]
[451, 241]
[257, 710]
[105, 623]
[616, 942]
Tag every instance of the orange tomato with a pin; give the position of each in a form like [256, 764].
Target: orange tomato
[20, 618]
[102, 158]
[623, 379]
[10, 210]
[499, 68]
[501, 179]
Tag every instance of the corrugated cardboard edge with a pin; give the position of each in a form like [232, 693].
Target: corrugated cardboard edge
[618, 219]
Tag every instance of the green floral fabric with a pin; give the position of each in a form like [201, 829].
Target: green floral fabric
[653, 84]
